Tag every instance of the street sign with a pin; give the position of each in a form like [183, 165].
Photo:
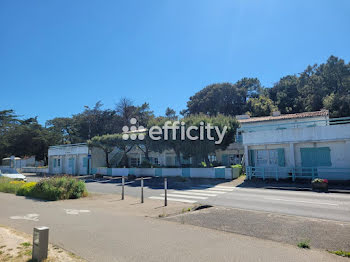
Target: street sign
[89, 156]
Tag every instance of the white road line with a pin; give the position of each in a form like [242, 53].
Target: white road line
[174, 199]
[184, 196]
[193, 193]
[206, 191]
[220, 189]
[301, 201]
[213, 186]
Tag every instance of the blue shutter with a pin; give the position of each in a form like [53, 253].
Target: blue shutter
[251, 156]
[307, 158]
[85, 162]
[224, 160]
[323, 156]
[55, 163]
[314, 157]
[281, 158]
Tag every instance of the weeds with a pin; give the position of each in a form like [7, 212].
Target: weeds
[340, 253]
[304, 244]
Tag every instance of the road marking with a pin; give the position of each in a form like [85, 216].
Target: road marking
[32, 217]
[76, 211]
[193, 193]
[174, 199]
[221, 189]
[215, 189]
[206, 191]
[300, 201]
[184, 196]
[214, 186]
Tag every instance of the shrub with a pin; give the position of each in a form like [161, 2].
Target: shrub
[8, 185]
[56, 188]
[26, 189]
[304, 244]
[146, 164]
[240, 167]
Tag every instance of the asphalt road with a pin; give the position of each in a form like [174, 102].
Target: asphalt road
[106, 229]
[331, 206]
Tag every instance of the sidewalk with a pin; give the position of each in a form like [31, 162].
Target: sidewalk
[103, 228]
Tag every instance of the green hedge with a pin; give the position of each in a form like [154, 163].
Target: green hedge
[54, 188]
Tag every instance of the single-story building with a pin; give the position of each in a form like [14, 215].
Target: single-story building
[306, 145]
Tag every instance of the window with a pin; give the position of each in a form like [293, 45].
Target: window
[273, 157]
[212, 158]
[156, 161]
[268, 157]
[261, 157]
[58, 162]
[134, 161]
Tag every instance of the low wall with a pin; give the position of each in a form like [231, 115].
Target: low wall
[34, 170]
[218, 172]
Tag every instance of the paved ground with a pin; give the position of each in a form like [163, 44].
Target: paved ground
[323, 234]
[107, 229]
[291, 199]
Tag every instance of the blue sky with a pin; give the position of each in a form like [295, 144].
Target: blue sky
[57, 56]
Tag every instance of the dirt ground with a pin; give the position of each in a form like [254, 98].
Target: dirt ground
[17, 247]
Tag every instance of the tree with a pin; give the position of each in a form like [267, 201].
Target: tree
[285, 94]
[29, 138]
[106, 143]
[63, 128]
[261, 106]
[200, 148]
[170, 114]
[225, 98]
[95, 122]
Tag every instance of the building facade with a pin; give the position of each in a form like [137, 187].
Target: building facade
[306, 145]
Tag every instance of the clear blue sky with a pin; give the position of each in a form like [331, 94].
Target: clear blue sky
[57, 56]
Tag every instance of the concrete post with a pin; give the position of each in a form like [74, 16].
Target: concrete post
[165, 191]
[40, 243]
[123, 184]
[291, 155]
[246, 156]
[141, 189]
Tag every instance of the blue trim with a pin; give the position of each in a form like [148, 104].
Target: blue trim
[158, 172]
[186, 172]
[219, 172]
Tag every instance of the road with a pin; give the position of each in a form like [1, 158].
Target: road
[331, 206]
[106, 229]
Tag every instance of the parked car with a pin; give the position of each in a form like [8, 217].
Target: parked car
[13, 174]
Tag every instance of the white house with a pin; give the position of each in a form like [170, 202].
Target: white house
[305, 145]
[75, 159]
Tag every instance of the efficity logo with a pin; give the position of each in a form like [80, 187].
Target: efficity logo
[134, 132]
[174, 131]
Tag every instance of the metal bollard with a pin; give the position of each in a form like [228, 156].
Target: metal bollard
[40, 243]
[165, 191]
[141, 189]
[123, 184]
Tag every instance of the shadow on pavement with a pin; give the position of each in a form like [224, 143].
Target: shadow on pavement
[301, 185]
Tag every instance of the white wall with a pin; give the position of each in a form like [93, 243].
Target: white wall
[294, 135]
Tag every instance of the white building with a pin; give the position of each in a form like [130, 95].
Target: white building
[305, 145]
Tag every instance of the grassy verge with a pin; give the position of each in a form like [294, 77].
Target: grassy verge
[54, 188]
[340, 253]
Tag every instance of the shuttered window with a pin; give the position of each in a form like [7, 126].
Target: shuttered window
[314, 157]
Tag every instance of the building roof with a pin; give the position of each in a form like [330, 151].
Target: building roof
[286, 116]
